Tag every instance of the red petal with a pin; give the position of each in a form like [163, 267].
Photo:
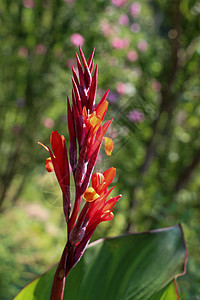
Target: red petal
[107, 217]
[111, 203]
[80, 71]
[49, 165]
[103, 98]
[90, 60]
[109, 175]
[70, 121]
[87, 74]
[74, 107]
[56, 143]
[92, 91]
[75, 76]
[101, 109]
[98, 180]
[92, 66]
[77, 96]
[100, 136]
[108, 145]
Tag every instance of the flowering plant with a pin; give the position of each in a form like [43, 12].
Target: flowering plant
[132, 271]
[86, 133]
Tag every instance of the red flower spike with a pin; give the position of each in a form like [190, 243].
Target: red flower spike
[86, 133]
[81, 165]
[77, 96]
[80, 71]
[90, 60]
[84, 95]
[75, 76]
[74, 107]
[85, 65]
[92, 66]
[70, 121]
[87, 74]
[92, 91]
[79, 123]
[73, 154]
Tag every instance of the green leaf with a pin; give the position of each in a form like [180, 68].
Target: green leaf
[135, 266]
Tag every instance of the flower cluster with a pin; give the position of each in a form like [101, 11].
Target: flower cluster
[86, 133]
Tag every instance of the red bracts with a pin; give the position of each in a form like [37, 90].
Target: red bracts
[86, 133]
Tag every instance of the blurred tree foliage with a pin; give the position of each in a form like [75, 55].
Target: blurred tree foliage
[148, 55]
[35, 50]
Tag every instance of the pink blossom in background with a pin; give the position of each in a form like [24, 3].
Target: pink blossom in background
[28, 3]
[40, 49]
[23, 52]
[156, 86]
[132, 55]
[136, 116]
[135, 9]
[135, 27]
[121, 88]
[106, 28]
[123, 20]
[142, 46]
[71, 62]
[119, 3]
[120, 43]
[77, 39]
[48, 123]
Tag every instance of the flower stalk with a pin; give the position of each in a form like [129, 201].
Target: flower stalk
[86, 134]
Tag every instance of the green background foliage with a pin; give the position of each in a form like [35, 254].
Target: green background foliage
[150, 61]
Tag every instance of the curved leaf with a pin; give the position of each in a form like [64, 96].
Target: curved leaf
[135, 266]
